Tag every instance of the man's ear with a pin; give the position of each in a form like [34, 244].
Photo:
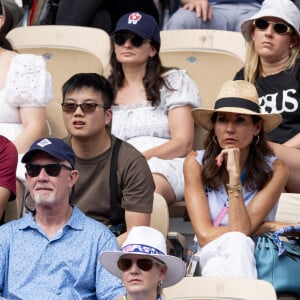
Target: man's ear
[74, 175]
[108, 116]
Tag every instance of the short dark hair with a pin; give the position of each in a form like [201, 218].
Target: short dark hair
[90, 80]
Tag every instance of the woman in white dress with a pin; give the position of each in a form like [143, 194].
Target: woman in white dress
[152, 108]
[25, 90]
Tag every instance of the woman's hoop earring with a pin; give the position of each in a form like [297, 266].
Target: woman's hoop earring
[215, 140]
[257, 140]
[160, 283]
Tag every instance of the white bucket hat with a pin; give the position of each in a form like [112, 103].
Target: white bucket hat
[285, 10]
[144, 240]
[238, 96]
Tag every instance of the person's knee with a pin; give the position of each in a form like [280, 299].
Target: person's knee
[163, 187]
[238, 242]
[183, 19]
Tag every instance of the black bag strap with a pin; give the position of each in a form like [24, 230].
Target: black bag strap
[113, 183]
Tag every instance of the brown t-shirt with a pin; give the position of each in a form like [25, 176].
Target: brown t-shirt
[135, 183]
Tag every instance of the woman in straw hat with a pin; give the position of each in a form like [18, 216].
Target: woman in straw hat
[143, 264]
[233, 185]
[273, 66]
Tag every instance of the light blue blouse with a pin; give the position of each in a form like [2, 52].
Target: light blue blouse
[218, 198]
[65, 267]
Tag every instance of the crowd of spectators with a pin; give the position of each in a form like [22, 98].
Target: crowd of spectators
[130, 134]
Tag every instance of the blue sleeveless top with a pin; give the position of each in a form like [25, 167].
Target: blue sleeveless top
[218, 198]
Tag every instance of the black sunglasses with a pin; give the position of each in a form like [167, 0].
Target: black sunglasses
[53, 170]
[279, 28]
[85, 107]
[145, 264]
[120, 39]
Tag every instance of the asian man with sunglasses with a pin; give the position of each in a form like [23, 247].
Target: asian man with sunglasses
[273, 66]
[116, 185]
[52, 252]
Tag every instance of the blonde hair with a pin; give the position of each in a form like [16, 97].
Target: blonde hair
[252, 64]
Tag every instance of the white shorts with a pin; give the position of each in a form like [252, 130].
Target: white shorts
[230, 255]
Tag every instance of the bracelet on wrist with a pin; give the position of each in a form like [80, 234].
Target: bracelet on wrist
[234, 189]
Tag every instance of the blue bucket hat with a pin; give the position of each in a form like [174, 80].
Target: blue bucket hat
[52, 146]
[143, 25]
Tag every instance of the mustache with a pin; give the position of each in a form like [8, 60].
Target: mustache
[43, 187]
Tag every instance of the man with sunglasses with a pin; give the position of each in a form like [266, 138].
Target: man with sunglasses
[52, 252]
[116, 185]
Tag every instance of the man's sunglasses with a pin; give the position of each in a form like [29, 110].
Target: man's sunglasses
[279, 28]
[53, 170]
[120, 39]
[85, 107]
[145, 264]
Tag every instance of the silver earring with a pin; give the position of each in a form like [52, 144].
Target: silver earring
[160, 283]
[257, 140]
[291, 46]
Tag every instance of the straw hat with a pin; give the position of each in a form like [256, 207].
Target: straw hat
[285, 10]
[237, 96]
[144, 240]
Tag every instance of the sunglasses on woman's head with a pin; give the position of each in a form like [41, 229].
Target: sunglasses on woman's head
[120, 39]
[53, 170]
[85, 107]
[145, 264]
[280, 28]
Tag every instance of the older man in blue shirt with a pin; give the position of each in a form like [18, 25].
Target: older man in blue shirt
[53, 252]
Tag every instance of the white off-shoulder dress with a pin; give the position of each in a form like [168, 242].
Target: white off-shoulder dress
[145, 126]
[28, 84]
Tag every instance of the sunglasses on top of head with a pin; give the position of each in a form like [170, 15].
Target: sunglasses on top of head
[120, 39]
[85, 107]
[53, 170]
[279, 28]
[145, 264]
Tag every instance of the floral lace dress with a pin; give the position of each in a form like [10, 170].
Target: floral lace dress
[28, 84]
[145, 126]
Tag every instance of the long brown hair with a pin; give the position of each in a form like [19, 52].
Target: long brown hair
[152, 81]
[258, 172]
